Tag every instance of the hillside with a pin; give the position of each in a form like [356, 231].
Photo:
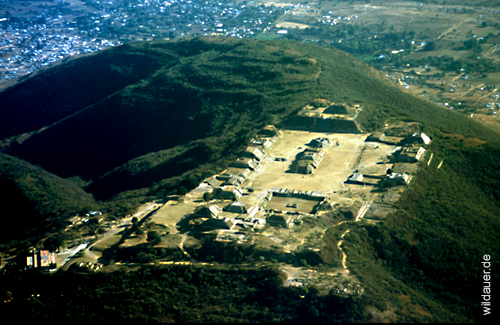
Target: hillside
[150, 97]
[166, 114]
[36, 200]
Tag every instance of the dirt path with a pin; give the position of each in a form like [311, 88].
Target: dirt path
[319, 72]
[453, 27]
[457, 77]
[181, 244]
[344, 256]
[468, 91]
[477, 101]
[493, 50]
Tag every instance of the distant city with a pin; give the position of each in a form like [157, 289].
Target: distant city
[34, 33]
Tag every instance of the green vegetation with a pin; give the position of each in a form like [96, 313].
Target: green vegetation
[435, 242]
[37, 201]
[172, 294]
[153, 237]
[187, 119]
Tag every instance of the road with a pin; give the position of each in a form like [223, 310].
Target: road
[68, 255]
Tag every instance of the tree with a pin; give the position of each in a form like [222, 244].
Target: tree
[53, 243]
[314, 311]
[430, 46]
[181, 190]
[153, 237]
[470, 44]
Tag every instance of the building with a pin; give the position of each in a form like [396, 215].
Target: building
[268, 131]
[361, 179]
[356, 178]
[283, 220]
[262, 143]
[418, 138]
[233, 171]
[40, 259]
[230, 236]
[242, 162]
[213, 181]
[224, 177]
[411, 154]
[245, 173]
[210, 211]
[305, 167]
[237, 207]
[397, 179]
[338, 108]
[349, 211]
[242, 208]
[75, 219]
[376, 137]
[254, 152]
[308, 161]
[212, 224]
[229, 194]
[319, 143]
[314, 156]
[235, 181]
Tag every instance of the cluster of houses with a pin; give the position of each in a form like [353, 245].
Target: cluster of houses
[31, 40]
[77, 220]
[26, 49]
[411, 150]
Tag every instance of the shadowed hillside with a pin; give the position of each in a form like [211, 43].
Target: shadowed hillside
[35, 198]
[56, 93]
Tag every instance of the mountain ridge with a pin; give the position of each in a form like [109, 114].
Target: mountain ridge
[212, 86]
